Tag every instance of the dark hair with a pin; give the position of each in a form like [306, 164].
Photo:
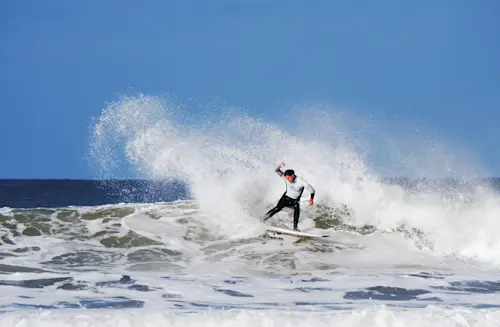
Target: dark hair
[289, 172]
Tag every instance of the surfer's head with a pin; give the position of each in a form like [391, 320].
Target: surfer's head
[289, 175]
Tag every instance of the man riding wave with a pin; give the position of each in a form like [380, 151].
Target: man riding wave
[295, 185]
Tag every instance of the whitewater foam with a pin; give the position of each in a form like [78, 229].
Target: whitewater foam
[106, 274]
[228, 164]
[376, 316]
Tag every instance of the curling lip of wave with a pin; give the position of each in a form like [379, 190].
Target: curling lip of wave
[228, 159]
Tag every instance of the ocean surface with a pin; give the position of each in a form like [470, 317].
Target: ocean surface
[183, 245]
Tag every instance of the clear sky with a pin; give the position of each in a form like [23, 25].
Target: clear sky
[436, 62]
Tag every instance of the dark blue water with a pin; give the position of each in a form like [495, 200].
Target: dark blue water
[18, 193]
[54, 193]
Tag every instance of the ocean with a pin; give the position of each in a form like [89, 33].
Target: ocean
[183, 244]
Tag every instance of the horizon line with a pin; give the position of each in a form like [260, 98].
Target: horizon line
[172, 179]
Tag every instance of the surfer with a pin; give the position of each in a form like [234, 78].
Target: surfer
[294, 187]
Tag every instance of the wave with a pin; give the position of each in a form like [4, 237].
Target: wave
[63, 259]
[227, 160]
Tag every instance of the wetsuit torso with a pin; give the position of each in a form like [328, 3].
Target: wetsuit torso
[294, 190]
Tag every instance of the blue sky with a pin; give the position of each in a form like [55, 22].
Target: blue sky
[435, 62]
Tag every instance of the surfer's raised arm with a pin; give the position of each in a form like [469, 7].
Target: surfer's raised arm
[278, 169]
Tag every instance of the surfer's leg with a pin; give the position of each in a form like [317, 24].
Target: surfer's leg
[276, 209]
[296, 214]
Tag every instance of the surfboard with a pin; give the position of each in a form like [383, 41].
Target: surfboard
[287, 231]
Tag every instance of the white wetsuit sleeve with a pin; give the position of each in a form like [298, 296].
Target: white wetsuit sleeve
[309, 187]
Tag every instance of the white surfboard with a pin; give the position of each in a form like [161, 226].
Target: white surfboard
[292, 232]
